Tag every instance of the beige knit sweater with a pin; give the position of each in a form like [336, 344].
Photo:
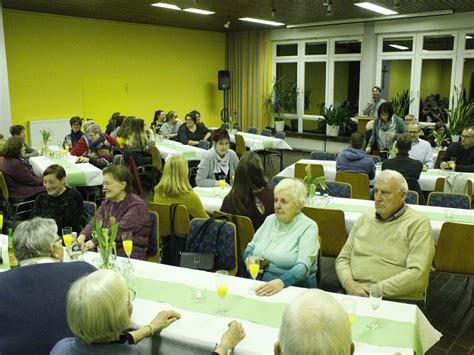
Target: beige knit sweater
[397, 253]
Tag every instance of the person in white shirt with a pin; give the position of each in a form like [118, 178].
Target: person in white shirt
[420, 149]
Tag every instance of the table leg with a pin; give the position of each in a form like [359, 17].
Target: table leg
[281, 159]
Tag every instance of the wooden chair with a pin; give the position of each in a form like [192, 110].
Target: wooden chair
[453, 252]
[439, 158]
[412, 197]
[448, 199]
[300, 170]
[154, 221]
[181, 221]
[240, 148]
[90, 210]
[315, 155]
[359, 182]
[332, 229]
[12, 208]
[439, 186]
[252, 130]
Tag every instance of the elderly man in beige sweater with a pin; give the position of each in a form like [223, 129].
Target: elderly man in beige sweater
[394, 248]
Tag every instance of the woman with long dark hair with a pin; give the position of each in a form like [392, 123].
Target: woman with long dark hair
[250, 195]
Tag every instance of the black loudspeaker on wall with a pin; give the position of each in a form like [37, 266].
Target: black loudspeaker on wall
[223, 79]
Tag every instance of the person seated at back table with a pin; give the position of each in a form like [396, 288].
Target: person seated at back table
[33, 296]
[61, 203]
[394, 247]
[440, 128]
[128, 209]
[19, 131]
[138, 143]
[191, 132]
[22, 183]
[99, 308]
[460, 155]
[218, 163]
[420, 149]
[250, 195]
[170, 127]
[72, 138]
[354, 159]
[408, 167]
[287, 242]
[174, 187]
[314, 323]
[95, 147]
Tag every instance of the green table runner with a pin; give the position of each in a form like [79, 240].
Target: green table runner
[210, 193]
[390, 333]
[188, 154]
[435, 216]
[74, 175]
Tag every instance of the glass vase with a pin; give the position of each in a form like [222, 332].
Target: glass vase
[108, 258]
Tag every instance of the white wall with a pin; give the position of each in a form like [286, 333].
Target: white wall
[5, 113]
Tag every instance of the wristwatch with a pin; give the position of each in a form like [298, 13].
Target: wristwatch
[227, 351]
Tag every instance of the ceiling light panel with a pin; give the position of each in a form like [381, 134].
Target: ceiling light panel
[165, 5]
[199, 11]
[263, 22]
[375, 8]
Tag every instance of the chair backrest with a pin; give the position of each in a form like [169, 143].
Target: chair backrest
[414, 185]
[90, 210]
[300, 170]
[252, 130]
[359, 182]
[376, 159]
[181, 219]
[276, 179]
[155, 157]
[204, 144]
[454, 249]
[237, 127]
[225, 125]
[240, 145]
[412, 197]
[315, 155]
[337, 189]
[244, 229]
[153, 250]
[266, 132]
[449, 199]
[4, 188]
[439, 185]
[280, 135]
[332, 229]
[439, 158]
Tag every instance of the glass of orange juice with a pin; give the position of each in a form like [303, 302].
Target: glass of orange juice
[67, 237]
[1, 222]
[254, 269]
[349, 306]
[127, 242]
[222, 281]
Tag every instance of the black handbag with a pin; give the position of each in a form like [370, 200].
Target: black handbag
[201, 261]
[173, 244]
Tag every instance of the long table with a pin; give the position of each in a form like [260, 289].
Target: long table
[353, 209]
[169, 148]
[259, 142]
[427, 179]
[83, 174]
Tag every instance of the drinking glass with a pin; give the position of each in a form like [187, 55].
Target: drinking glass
[67, 237]
[222, 280]
[254, 268]
[349, 306]
[127, 242]
[376, 294]
[1, 222]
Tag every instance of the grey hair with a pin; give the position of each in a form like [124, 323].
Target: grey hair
[315, 323]
[87, 125]
[298, 190]
[415, 124]
[395, 175]
[94, 128]
[97, 306]
[34, 238]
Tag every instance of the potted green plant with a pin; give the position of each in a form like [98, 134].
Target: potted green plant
[439, 139]
[312, 182]
[282, 100]
[105, 233]
[401, 103]
[45, 138]
[338, 119]
[461, 113]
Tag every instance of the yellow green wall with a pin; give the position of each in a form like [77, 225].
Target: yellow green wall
[63, 66]
[467, 74]
[341, 82]
[400, 74]
[435, 77]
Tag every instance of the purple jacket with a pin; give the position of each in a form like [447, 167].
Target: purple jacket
[355, 161]
[21, 181]
[132, 215]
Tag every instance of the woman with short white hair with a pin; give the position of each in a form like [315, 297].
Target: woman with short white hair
[99, 307]
[287, 242]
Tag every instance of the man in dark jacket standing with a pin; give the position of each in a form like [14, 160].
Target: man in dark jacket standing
[354, 159]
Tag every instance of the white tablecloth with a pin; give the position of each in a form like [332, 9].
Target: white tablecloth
[202, 331]
[93, 175]
[214, 203]
[169, 148]
[259, 142]
[427, 179]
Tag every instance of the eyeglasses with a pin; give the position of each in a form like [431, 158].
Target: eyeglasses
[131, 295]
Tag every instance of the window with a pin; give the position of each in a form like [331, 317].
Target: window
[404, 44]
[468, 78]
[347, 47]
[469, 41]
[438, 43]
[314, 87]
[285, 50]
[346, 85]
[316, 48]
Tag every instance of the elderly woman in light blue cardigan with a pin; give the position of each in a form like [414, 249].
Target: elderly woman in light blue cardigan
[219, 162]
[288, 240]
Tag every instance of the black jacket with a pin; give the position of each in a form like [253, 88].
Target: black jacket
[464, 157]
[406, 166]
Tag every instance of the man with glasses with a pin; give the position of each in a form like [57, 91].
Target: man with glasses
[420, 149]
[33, 296]
[460, 155]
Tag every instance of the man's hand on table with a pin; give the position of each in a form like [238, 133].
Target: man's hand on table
[354, 288]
